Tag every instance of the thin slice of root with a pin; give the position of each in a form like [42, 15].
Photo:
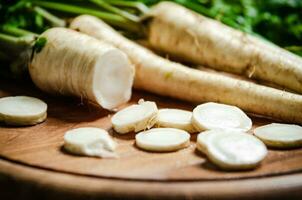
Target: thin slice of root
[162, 139]
[22, 110]
[209, 116]
[135, 118]
[234, 151]
[280, 135]
[175, 118]
[90, 141]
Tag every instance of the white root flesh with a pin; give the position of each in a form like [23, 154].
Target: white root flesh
[72, 63]
[175, 118]
[203, 41]
[135, 118]
[232, 150]
[22, 110]
[90, 141]
[280, 135]
[160, 76]
[162, 139]
[202, 138]
[209, 116]
[201, 142]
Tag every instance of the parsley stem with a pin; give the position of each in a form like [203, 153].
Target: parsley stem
[12, 30]
[55, 21]
[113, 19]
[14, 45]
[115, 10]
[130, 4]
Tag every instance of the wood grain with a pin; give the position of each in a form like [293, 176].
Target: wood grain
[41, 146]
[23, 182]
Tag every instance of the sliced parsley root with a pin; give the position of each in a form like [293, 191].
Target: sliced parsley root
[22, 110]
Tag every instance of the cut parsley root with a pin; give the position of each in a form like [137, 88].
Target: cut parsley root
[175, 118]
[162, 139]
[280, 135]
[135, 118]
[209, 116]
[202, 139]
[201, 143]
[160, 76]
[232, 150]
[200, 40]
[22, 110]
[71, 63]
[90, 141]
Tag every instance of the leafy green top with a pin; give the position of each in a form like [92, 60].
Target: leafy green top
[279, 21]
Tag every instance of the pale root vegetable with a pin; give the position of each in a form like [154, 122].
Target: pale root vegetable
[211, 115]
[280, 135]
[182, 33]
[22, 110]
[202, 140]
[90, 141]
[175, 118]
[162, 139]
[160, 76]
[135, 118]
[233, 150]
[72, 63]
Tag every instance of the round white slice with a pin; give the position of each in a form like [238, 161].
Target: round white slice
[22, 110]
[201, 143]
[135, 118]
[175, 118]
[280, 135]
[162, 139]
[202, 138]
[235, 151]
[220, 116]
[90, 141]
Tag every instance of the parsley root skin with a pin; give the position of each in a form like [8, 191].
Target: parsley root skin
[160, 76]
[71, 63]
[200, 40]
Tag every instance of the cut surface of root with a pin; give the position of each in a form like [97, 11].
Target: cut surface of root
[280, 135]
[135, 118]
[113, 79]
[175, 118]
[233, 150]
[22, 110]
[90, 141]
[209, 116]
[201, 142]
[162, 139]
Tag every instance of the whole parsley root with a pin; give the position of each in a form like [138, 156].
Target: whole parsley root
[161, 76]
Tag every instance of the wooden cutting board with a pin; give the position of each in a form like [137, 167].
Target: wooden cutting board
[39, 148]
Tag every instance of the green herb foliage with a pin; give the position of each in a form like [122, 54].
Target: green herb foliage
[279, 21]
[20, 13]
